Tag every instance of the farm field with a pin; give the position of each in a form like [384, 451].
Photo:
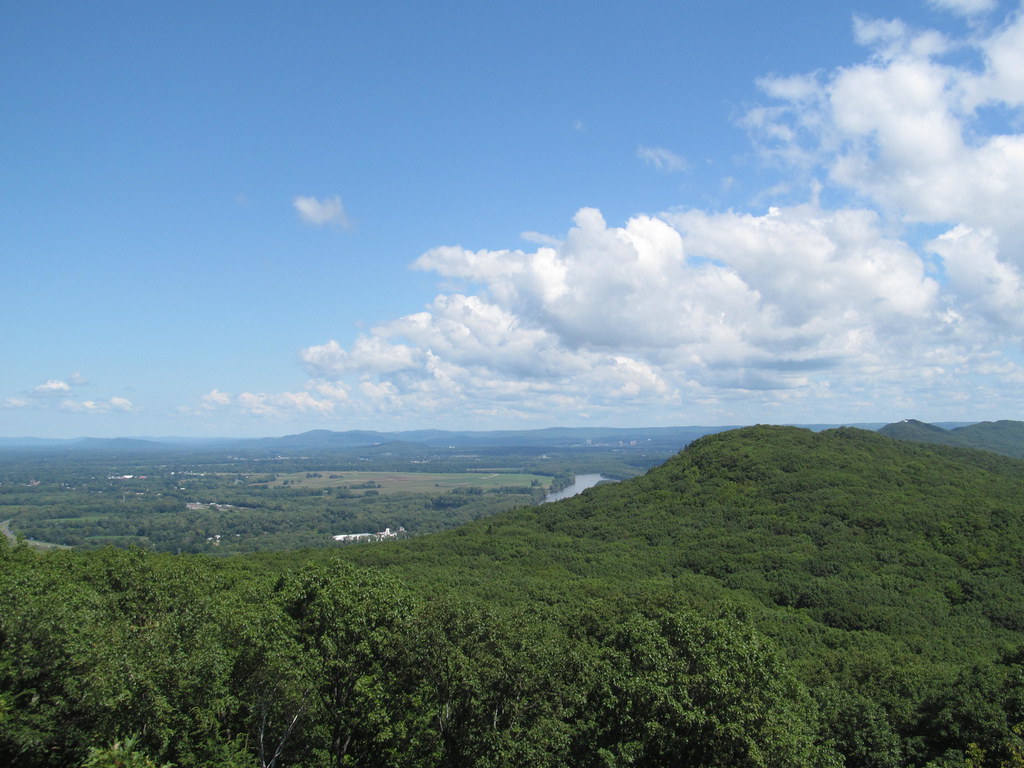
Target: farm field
[430, 483]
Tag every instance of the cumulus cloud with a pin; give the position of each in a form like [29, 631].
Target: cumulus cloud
[788, 312]
[906, 129]
[666, 310]
[661, 159]
[369, 354]
[320, 213]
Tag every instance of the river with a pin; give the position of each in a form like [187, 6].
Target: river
[582, 483]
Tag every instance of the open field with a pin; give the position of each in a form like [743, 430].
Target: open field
[406, 482]
[5, 529]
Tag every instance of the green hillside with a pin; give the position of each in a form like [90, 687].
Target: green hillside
[881, 569]
[756, 509]
[1005, 437]
[769, 597]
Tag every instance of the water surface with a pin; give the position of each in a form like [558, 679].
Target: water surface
[582, 483]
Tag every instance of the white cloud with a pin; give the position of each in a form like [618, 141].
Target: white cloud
[1002, 80]
[56, 394]
[94, 406]
[370, 353]
[325, 359]
[327, 212]
[53, 385]
[214, 398]
[984, 285]
[662, 159]
[964, 7]
[81, 406]
[276, 405]
[904, 130]
[332, 390]
[279, 405]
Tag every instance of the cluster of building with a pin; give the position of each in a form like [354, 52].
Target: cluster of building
[387, 533]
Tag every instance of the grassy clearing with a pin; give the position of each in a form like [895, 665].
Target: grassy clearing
[406, 482]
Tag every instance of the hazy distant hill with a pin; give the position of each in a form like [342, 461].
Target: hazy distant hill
[657, 439]
[113, 445]
[1005, 437]
[670, 438]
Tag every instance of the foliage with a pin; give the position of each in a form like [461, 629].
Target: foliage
[120, 754]
[769, 597]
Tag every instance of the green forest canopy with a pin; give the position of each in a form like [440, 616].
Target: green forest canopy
[771, 596]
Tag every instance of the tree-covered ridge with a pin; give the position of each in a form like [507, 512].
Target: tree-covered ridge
[889, 573]
[852, 527]
[1005, 436]
[763, 507]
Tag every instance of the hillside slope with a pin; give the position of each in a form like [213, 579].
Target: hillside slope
[889, 573]
[1005, 436]
[857, 531]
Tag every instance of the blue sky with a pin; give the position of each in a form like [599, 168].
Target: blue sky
[255, 219]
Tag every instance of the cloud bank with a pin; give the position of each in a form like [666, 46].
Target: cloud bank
[903, 297]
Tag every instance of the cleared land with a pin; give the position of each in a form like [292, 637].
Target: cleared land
[406, 482]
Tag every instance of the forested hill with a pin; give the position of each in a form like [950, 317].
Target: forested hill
[769, 597]
[1005, 436]
[856, 531]
[840, 523]
[889, 573]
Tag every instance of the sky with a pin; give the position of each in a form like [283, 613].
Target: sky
[247, 219]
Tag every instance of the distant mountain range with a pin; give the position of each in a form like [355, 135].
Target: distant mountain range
[1005, 437]
[324, 440]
